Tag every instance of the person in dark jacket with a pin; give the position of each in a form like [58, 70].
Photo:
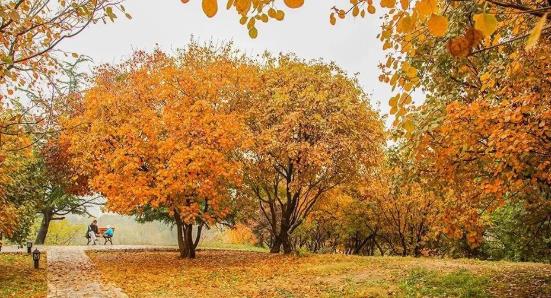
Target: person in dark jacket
[92, 232]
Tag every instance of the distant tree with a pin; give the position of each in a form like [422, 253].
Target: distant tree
[64, 233]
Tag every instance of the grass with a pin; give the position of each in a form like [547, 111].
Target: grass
[231, 246]
[460, 283]
[18, 278]
[224, 273]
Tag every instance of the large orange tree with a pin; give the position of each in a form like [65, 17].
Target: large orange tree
[313, 130]
[161, 133]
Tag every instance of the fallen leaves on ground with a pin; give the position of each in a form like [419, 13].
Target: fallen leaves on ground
[252, 274]
[18, 278]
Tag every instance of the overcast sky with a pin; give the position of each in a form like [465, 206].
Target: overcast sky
[352, 43]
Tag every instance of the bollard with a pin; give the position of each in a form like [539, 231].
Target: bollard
[36, 258]
[29, 246]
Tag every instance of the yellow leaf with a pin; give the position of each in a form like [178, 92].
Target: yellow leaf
[229, 4]
[371, 9]
[535, 34]
[405, 99]
[485, 23]
[401, 112]
[405, 24]
[405, 4]
[426, 7]
[388, 3]
[210, 7]
[393, 101]
[280, 15]
[438, 25]
[408, 126]
[294, 3]
[355, 11]
[242, 6]
[332, 19]
[253, 33]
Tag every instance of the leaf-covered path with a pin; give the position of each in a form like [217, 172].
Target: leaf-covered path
[72, 274]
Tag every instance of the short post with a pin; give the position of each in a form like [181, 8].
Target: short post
[36, 258]
[29, 246]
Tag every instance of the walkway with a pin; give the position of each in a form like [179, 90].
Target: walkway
[72, 274]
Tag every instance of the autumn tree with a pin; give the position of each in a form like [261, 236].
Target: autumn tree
[162, 132]
[58, 188]
[477, 69]
[496, 151]
[313, 130]
[30, 59]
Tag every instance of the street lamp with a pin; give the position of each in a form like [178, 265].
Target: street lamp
[36, 257]
[29, 246]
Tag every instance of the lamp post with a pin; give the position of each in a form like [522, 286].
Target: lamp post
[29, 246]
[36, 258]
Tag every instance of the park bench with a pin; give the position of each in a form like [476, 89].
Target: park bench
[101, 231]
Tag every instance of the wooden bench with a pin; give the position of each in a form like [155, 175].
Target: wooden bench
[101, 231]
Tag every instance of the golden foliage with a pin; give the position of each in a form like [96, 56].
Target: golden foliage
[160, 131]
[306, 139]
[240, 234]
[487, 153]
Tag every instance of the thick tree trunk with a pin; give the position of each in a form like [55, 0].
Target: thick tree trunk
[180, 235]
[286, 243]
[44, 226]
[276, 245]
[186, 244]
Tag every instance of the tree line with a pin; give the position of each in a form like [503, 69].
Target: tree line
[292, 148]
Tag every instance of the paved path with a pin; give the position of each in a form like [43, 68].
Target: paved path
[72, 274]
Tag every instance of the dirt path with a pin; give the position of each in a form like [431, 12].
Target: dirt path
[72, 274]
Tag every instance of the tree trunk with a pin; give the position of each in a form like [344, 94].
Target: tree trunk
[286, 243]
[186, 244]
[188, 240]
[44, 226]
[180, 235]
[276, 245]
[198, 236]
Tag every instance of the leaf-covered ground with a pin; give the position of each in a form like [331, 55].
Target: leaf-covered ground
[217, 273]
[18, 278]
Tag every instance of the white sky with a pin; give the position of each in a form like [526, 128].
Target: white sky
[352, 43]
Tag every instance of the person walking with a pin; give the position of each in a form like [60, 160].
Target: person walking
[92, 232]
